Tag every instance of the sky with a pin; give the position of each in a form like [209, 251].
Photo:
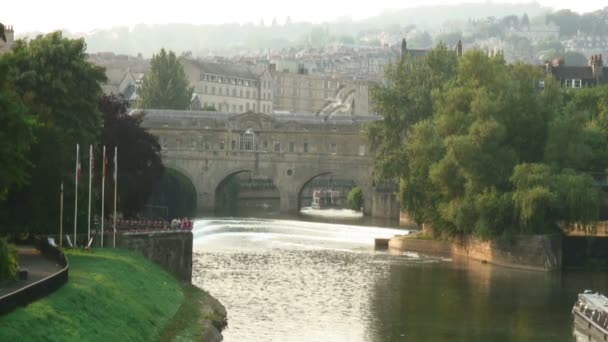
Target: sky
[86, 15]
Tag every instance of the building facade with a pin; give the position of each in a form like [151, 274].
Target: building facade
[9, 33]
[232, 88]
[320, 94]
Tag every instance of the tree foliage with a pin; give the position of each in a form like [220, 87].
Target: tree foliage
[355, 199]
[60, 89]
[139, 163]
[489, 152]
[165, 86]
[16, 135]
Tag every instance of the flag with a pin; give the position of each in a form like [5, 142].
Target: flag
[78, 167]
[105, 165]
[115, 164]
[92, 161]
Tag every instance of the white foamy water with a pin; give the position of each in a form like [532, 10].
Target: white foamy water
[271, 233]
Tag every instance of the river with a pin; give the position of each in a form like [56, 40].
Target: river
[292, 280]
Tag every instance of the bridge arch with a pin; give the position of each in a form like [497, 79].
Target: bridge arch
[175, 195]
[230, 189]
[358, 181]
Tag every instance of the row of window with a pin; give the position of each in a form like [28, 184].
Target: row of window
[248, 143]
[232, 80]
[211, 90]
[225, 107]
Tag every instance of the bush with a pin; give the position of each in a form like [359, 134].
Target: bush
[8, 261]
[355, 199]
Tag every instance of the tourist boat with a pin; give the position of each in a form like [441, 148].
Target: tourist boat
[325, 198]
[591, 316]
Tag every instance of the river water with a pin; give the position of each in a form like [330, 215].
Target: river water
[292, 280]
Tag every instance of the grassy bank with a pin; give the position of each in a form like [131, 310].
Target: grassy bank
[112, 295]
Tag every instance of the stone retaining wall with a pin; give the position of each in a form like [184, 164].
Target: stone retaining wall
[536, 252]
[170, 250]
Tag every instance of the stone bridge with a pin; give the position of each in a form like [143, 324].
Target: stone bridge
[291, 149]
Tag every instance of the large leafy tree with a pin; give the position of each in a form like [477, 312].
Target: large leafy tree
[165, 86]
[495, 154]
[16, 135]
[139, 162]
[61, 89]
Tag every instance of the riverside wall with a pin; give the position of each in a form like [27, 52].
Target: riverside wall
[536, 252]
[170, 250]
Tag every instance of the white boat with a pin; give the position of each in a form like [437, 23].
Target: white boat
[591, 317]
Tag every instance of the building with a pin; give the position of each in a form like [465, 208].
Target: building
[10, 39]
[228, 87]
[320, 94]
[578, 76]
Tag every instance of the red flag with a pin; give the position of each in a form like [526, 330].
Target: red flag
[105, 165]
[78, 168]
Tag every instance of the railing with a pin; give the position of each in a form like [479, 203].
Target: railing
[42, 287]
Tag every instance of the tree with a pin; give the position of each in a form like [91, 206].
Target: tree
[492, 155]
[355, 199]
[166, 85]
[16, 135]
[140, 166]
[2, 34]
[61, 89]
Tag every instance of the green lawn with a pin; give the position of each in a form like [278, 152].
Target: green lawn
[112, 295]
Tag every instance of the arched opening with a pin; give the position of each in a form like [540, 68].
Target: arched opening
[331, 194]
[174, 196]
[246, 193]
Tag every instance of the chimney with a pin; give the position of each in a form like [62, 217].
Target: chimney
[557, 62]
[459, 49]
[403, 48]
[548, 68]
[597, 66]
[10, 34]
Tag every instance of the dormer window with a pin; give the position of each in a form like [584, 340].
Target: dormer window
[574, 83]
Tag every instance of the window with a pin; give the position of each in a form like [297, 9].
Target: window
[222, 145]
[234, 92]
[305, 147]
[361, 150]
[219, 90]
[241, 93]
[248, 140]
[332, 148]
[206, 89]
[255, 94]
[247, 92]
[247, 106]
[264, 108]
[241, 108]
[277, 147]
[292, 146]
[212, 90]
[254, 107]
[193, 144]
[233, 145]
[207, 145]
[265, 145]
[234, 108]
[577, 83]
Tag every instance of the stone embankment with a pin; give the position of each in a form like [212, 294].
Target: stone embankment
[537, 252]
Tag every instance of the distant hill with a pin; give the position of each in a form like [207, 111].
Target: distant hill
[229, 39]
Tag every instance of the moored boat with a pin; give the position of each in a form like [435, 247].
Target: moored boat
[591, 317]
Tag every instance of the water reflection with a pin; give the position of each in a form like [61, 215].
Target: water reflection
[302, 281]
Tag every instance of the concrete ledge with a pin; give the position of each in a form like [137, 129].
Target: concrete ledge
[535, 252]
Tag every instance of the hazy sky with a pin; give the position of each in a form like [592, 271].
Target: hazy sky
[85, 15]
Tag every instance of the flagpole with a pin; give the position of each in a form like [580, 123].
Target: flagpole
[103, 190]
[90, 178]
[76, 193]
[115, 189]
[61, 217]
